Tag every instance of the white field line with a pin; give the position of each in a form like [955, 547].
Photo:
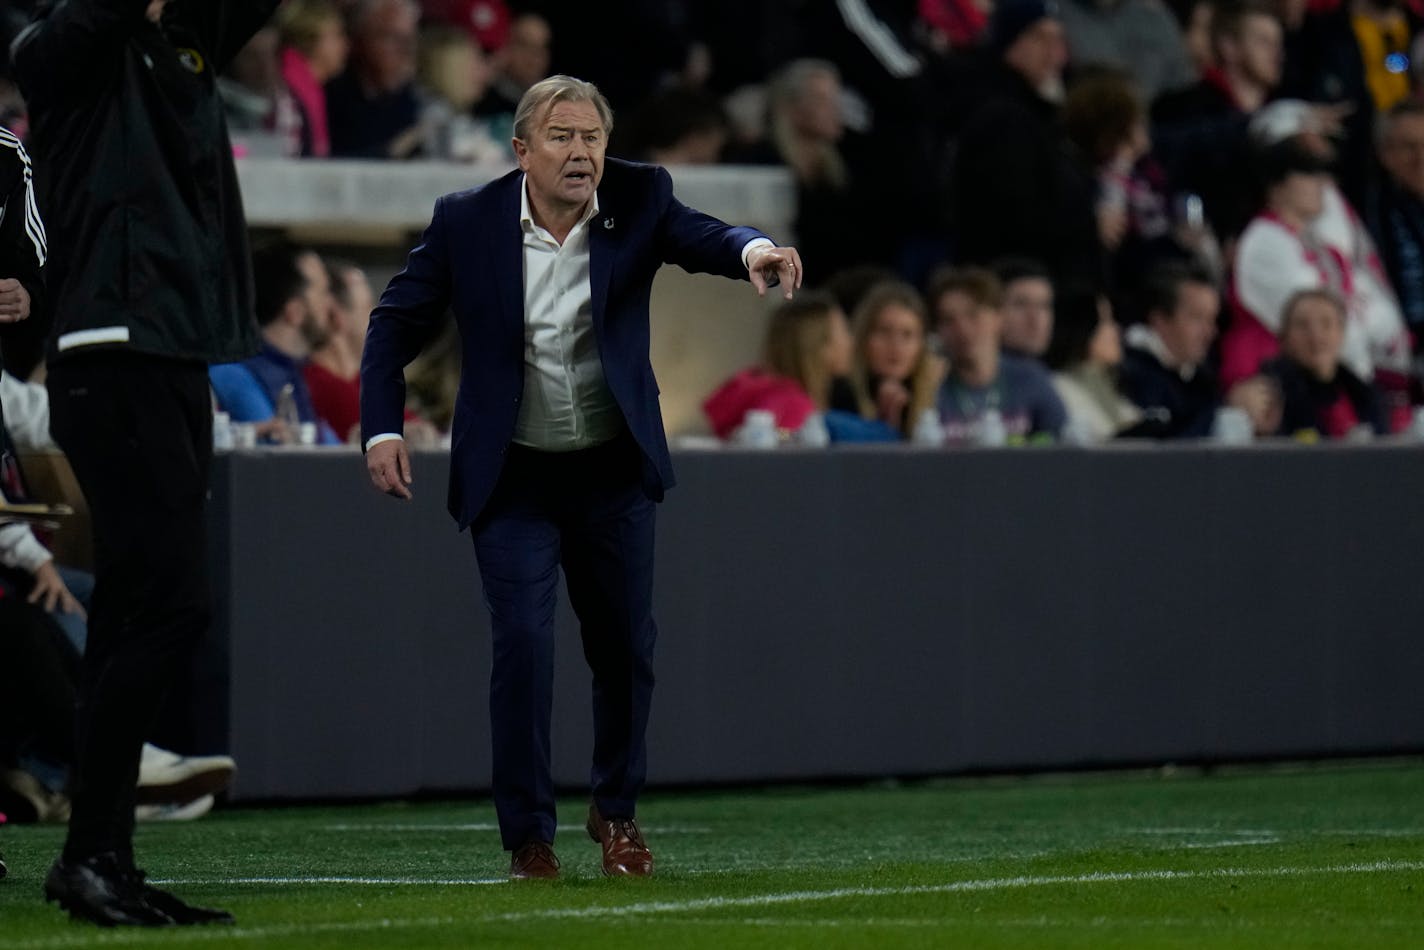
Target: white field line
[651, 908]
[1229, 843]
[985, 884]
[491, 826]
[380, 881]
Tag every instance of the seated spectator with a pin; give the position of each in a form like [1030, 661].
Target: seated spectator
[39, 670]
[1085, 356]
[895, 376]
[486, 21]
[1378, 348]
[1395, 211]
[1279, 254]
[1015, 187]
[521, 62]
[1320, 397]
[1137, 36]
[805, 129]
[1105, 119]
[968, 312]
[372, 106]
[1194, 20]
[256, 99]
[954, 24]
[808, 344]
[333, 373]
[293, 300]
[1164, 365]
[1355, 53]
[1028, 307]
[314, 51]
[1199, 132]
[675, 126]
[453, 78]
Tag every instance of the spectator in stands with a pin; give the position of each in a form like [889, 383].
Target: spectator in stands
[1164, 367]
[333, 373]
[1283, 252]
[1138, 36]
[454, 75]
[1194, 20]
[373, 107]
[1015, 188]
[518, 64]
[294, 309]
[1028, 307]
[1320, 396]
[256, 99]
[1357, 53]
[968, 312]
[806, 125]
[1085, 356]
[1200, 131]
[1105, 119]
[954, 24]
[485, 21]
[314, 51]
[896, 377]
[1378, 348]
[1395, 209]
[808, 344]
[675, 126]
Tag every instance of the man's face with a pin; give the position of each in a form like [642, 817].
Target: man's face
[525, 57]
[155, 9]
[968, 330]
[354, 319]
[1300, 194]
[563, 157]
[1039, 54]
[1188, 330]
[387, 46]
[1028, 315]
[1402, 153]
[1258, 51]
[316, 301]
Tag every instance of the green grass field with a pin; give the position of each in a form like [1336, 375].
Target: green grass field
[1310, 856]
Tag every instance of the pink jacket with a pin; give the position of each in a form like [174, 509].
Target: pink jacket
[311, 97]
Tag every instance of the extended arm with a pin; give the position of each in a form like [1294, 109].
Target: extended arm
[408, 315]
[23, 248]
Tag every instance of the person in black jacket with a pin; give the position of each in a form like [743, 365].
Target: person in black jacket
[23, 242]
[150, 281]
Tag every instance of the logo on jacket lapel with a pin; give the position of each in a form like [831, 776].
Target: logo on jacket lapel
[608, 224]
[191, 59]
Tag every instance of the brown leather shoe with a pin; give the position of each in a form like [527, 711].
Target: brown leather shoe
[534, 861]
[624, 852]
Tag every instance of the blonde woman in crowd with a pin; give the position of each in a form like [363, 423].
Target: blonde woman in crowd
[896, 376]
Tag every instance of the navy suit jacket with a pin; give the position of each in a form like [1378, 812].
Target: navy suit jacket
[471, 260]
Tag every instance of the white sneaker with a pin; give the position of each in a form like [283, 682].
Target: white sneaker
[174, 811]
[166, 778]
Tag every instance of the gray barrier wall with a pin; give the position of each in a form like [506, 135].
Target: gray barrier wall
[851, 613]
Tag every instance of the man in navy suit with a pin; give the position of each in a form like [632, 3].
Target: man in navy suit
[558, 450]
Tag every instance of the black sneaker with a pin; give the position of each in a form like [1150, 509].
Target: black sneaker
[184, 914]
[104, 891]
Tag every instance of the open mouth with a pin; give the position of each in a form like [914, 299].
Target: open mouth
[578, 176]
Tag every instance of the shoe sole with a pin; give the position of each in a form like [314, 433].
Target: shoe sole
[186, 789]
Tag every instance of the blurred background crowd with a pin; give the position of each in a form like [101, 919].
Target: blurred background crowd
[1022, 220]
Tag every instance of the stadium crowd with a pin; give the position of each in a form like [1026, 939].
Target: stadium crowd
[1042, 219]
[1085, 218]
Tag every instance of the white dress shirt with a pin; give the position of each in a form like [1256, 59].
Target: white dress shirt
[566, 403]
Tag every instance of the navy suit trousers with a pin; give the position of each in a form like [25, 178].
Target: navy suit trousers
[584, 511]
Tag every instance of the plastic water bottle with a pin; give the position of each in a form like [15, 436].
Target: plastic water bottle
[287, 412]
[990, 431]
[813, 432]
[1232, 426]
[758, 430]
[222, 432]
[929, 429]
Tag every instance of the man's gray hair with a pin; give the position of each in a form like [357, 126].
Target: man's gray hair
[546, 92]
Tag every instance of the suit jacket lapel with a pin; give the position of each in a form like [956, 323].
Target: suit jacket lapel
[602, 251]
[507, 251]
